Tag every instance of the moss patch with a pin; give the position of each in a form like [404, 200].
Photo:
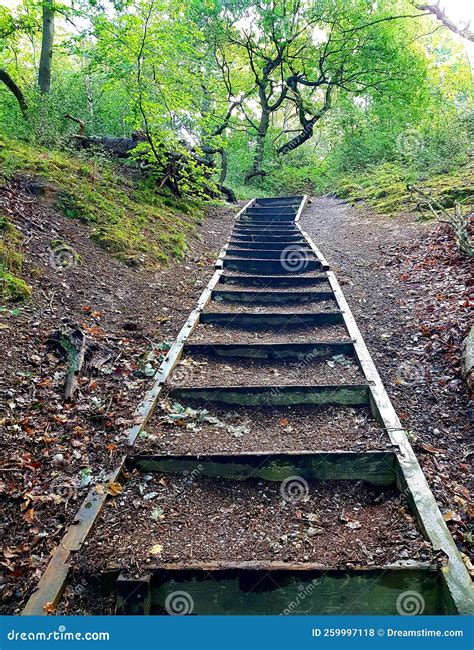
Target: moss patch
[12, 287]
[385, 188]
[129, 218]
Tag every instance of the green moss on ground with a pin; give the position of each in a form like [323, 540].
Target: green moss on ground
[12, 287]
[129, 218]
[385, 188]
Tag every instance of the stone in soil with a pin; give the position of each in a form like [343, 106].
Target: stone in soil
[174, 518]
[207, 370]
[225, 334]
[188, 429]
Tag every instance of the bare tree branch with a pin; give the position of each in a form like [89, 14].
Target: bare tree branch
[436, 10]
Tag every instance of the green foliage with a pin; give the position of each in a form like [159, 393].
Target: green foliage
[195, 76]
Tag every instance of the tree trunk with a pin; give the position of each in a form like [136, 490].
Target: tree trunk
[299, 139]
[11, 85]
[44, 72]
[256, 169]
[308, 125]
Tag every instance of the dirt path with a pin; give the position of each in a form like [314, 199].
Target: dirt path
[53, 451]
[408, 289]
[156, 521]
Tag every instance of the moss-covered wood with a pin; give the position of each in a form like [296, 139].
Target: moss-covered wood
[377, 468]
[322, 395]
[297, 591]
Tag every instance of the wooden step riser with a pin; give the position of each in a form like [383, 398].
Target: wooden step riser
[250, 222]
[265, 229]
[244, 589]
[376, 468]
[271, 266]
[276, 200]
[291, 249]
[320, 395]
[273, 351]
[267, 226]
[272, 298]
[267, 245]
[271, 210]
[264, 242]
[257, 217]
[283, 281]
[270, 320]
[257, 220]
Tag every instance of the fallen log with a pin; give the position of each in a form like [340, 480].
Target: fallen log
[117, 147]
[173, 165]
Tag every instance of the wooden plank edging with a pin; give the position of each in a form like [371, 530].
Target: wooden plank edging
[425, 506]
[53, 580]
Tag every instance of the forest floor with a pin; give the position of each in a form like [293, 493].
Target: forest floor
[408, 288]
[404, 281]
[53, 451]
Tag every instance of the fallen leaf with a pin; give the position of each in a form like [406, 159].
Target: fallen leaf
[468, 564]
[450, 515]
[156, 549]
[114, 489]
[430, 449]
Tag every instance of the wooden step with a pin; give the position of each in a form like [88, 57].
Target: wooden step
[273, 266]
[271, 297]
[274, 280]
[279, 200]
[271, 319]
[319, 395]
[375, 468]
[281, 351]
[273, 588]
[272, 253]
[267, 239]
